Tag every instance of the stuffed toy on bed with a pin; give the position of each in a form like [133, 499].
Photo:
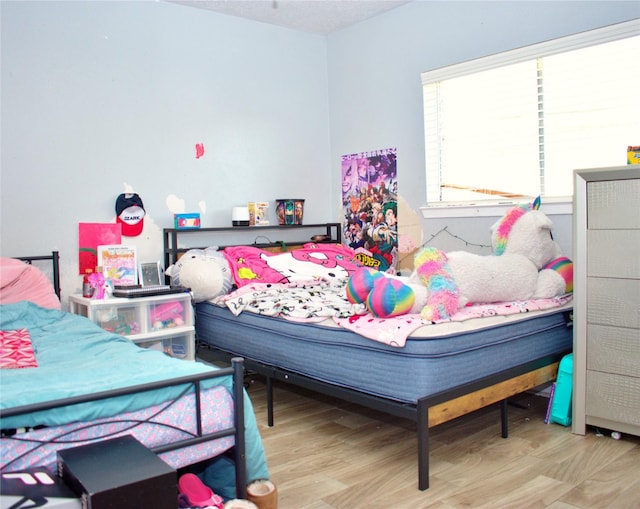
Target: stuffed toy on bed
[526, 264]
[210, 273]
[205, 271]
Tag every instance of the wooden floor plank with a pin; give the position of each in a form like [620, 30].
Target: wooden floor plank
[327, 454]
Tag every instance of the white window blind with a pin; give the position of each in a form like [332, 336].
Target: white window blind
[517, 124]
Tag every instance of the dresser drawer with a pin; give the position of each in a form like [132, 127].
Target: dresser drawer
[613, 253]
[613, 302]
[613, 397]
[613, 349]
[613, 204]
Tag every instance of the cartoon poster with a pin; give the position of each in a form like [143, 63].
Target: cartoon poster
[370, 204]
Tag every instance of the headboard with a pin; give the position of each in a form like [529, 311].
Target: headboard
[55, 263]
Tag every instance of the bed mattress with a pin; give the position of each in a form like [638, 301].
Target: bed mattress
[437, 358]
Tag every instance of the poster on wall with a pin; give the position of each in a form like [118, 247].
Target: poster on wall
[90, 236]
[370, 204]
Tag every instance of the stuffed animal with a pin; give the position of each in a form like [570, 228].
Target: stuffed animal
[526, 264]
[205, 271]
[102, 287]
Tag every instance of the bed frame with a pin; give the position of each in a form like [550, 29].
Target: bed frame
[428, 411]
[235, 370]
[54, 257]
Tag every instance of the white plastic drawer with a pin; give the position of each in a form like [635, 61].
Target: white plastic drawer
[168, 314]
[121, 319]
[181, 346]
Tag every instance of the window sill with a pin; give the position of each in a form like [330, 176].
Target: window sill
[491, 209]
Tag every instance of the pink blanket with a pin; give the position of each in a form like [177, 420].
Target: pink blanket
[21, 281]
[312, 262]
[394, 331]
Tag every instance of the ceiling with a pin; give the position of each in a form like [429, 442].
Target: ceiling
[313, 16]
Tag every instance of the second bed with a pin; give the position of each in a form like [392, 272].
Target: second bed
[442, 371]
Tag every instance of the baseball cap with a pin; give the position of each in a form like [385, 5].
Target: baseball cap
[130, 214]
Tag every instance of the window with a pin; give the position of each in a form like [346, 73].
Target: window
[515, 125]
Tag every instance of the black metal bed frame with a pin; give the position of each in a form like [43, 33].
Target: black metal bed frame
[418, 412]
[235, 370]
[54, 257]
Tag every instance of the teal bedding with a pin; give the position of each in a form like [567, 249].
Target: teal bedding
[77, 357]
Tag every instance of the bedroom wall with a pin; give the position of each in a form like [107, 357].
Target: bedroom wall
[99, 98]
[375, 91]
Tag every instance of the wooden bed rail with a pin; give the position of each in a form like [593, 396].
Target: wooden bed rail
[432, 411]
[452, 409]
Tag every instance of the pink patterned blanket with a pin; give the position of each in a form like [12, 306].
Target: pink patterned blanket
[394, 331]
[153, 426]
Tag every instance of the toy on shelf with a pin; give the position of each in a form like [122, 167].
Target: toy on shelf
[118, 320]
[102, 287]
[122, 327]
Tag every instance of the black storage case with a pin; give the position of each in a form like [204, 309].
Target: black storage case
[120, 473]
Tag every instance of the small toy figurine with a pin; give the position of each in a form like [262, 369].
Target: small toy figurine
[102, 288]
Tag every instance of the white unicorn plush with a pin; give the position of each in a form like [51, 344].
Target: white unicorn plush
[526, 264]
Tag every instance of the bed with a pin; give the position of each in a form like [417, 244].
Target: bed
[100, 385]
[428, 372]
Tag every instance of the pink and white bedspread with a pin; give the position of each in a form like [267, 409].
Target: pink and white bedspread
[394, 331]
[317, 301]
[157, 425]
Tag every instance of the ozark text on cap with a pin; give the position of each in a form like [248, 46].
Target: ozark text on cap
[130, 214]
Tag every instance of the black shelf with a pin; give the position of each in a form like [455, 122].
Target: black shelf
[170, 237]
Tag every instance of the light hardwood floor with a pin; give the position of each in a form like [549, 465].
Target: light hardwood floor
[327, 454]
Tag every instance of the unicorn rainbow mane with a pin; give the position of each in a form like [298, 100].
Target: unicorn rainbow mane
[504, 228]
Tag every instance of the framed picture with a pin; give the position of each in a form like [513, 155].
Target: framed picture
[150, 274]
[118, 263]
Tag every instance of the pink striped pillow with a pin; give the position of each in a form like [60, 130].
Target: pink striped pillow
[16, 350]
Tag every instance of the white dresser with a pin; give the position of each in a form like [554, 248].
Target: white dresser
[606, 255]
